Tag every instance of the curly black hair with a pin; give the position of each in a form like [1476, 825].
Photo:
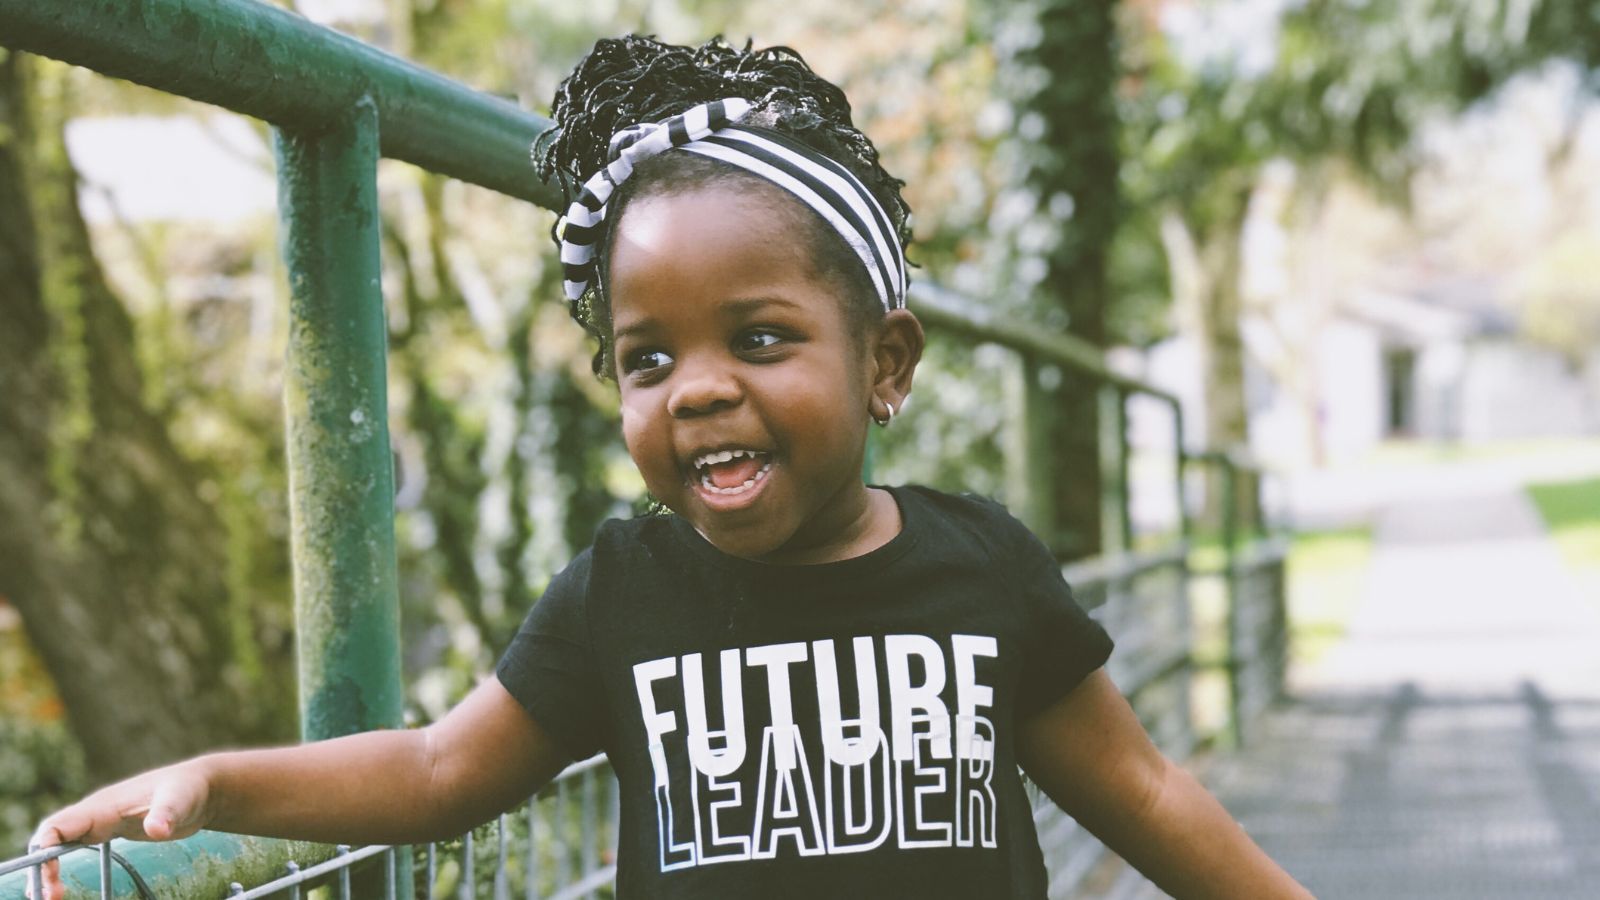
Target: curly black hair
[633, 79]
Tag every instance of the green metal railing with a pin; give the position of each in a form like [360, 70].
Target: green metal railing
[336, 106]
[1253, 573]
[276, 66]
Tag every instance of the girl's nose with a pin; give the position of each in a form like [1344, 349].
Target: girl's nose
[702, 387]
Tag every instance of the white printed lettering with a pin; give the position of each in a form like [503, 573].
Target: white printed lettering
[904, 697]
[969, 693]
[873, 796]
[920, 787]
[910, 752]
[975, 807]
[731, 756]
[834, 744]
[782, 810]
[712, 846]
[777, 658]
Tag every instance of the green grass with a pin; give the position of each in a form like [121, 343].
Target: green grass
[1327, 577]
[1571, 511]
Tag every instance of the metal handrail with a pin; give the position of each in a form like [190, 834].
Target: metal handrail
[950, 311]
[279, 67]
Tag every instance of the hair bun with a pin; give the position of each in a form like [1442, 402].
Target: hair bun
[634, 79]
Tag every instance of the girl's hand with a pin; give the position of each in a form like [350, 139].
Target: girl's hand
[160, 805]
[417, 785]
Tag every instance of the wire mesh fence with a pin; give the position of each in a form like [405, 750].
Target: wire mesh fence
[560, 845]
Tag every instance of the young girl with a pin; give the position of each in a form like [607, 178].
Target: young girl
[808, 687]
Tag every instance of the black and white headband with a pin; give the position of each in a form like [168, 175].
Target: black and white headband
[709, 129]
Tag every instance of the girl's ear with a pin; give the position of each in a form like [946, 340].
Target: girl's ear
[896, 350]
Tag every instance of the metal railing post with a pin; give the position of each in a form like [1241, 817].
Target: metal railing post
[1230, 579]
[1116, 520]
[1029, 477]
[1184, 573]
[341, 471]
[341, 477]
[1180, 465]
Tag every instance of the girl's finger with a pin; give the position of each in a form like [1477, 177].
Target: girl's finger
[47, 836]
[176, 808]
[51, 833]
[48, 833]
[90, 821]
[53, 888]
[170, 809]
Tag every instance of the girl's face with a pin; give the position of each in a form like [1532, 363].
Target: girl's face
[728, 343]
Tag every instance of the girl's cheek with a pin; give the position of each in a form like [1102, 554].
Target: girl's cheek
[635, 432]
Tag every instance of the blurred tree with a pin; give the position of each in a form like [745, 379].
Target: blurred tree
[1560, 307]
[1057, 65]
[115, 555]
[510, 449]
[1350, 83]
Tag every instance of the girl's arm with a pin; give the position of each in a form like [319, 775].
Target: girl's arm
[382, 787]
[1089, 753]
[390, 787]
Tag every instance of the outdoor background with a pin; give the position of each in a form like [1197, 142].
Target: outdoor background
[1360, 238]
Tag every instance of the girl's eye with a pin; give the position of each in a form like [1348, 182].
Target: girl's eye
[646, 361]
[756, 340]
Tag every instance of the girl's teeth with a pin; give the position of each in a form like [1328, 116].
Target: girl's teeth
[722, 456]
[705, 481]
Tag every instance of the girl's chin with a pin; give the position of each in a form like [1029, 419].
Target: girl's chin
[744, 542]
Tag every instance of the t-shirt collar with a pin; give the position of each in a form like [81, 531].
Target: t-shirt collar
[911, 526]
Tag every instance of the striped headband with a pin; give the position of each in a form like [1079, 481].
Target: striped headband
[822, 184]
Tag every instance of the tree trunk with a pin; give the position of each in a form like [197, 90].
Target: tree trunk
[1221, 343]
[1062, 75]
[115, 562]
[1218, 311]
[1206, 262]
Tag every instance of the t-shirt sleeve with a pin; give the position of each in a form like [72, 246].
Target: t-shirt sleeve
[1062, 645]
[549, 665]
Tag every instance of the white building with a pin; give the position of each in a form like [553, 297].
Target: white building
[1440, 363]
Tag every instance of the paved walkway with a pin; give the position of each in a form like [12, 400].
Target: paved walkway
[1450, 747]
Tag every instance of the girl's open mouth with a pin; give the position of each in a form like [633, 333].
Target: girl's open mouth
[732, 472]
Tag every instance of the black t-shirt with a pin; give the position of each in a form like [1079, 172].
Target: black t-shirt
[837, 730]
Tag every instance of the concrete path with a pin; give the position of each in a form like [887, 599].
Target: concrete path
[1450, 747]
[1467, 593]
